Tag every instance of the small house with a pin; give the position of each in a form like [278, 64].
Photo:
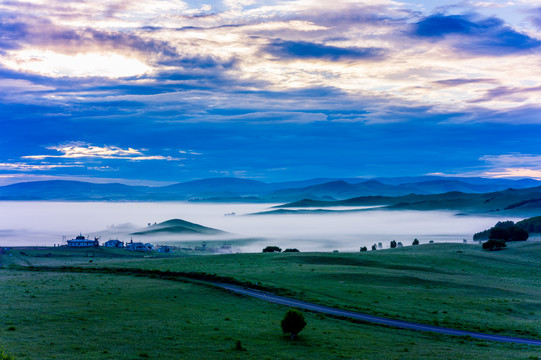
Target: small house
[139, 246]
[115, 243]
[165, 249]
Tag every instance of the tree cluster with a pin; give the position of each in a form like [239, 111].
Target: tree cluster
[505, 230]
[271, 249]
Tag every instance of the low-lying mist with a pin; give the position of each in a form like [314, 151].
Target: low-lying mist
[46, 223]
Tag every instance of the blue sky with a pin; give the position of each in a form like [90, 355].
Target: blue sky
[155, 92]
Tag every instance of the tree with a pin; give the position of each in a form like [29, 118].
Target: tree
[518, 234]
[291, 250]
[374, 247]
[364, 248]
[293, 322]
[271, 249]
[498, 233]
[494, 244]
[393, 244]
[415, 242]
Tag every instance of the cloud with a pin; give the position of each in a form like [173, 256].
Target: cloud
[33, 167]
[260, 117]
[307, 50]
[78, 150]
[515, 173]
[513, 166]
[463, 81]
[482, 36]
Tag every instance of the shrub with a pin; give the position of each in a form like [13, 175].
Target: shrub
[5, 356]
[393, 244]
[374, 247]
[494, 244]
[238, 346]
[271, 249]
[291, 250]
[415, 242]
[363, 248]
[293, 322]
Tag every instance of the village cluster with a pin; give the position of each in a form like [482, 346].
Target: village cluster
[81, 241]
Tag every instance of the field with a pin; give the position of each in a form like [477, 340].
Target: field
[77, 315]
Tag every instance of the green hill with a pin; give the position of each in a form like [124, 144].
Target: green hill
[178, 226]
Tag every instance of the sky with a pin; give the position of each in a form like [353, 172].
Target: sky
[162, 91]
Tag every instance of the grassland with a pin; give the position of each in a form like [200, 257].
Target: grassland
[66, 315]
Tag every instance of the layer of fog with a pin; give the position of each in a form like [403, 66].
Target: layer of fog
[47, 223]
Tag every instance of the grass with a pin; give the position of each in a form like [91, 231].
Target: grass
[453, 285]
[96, 316]
[141, 317]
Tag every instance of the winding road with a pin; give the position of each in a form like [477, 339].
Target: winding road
[370, 318]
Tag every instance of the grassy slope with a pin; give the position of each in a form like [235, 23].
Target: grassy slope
[445, 284]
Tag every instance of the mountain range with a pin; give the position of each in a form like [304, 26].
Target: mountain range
[246, 190]
[510, 202]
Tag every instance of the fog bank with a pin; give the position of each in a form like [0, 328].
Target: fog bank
[45, 223]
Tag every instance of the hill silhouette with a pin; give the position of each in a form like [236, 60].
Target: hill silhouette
[178, 226]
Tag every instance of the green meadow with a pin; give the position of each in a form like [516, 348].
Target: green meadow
[111, 315]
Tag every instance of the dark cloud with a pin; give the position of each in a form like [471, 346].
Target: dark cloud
[535, 17]
[486, 36]
[458, 82]
[307, 50]
[34, 31]
[11, 31]
[203, 62]
[505, 91]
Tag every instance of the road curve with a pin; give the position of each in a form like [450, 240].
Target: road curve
[370, 318]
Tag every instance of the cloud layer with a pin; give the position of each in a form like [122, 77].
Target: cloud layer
[254, 86]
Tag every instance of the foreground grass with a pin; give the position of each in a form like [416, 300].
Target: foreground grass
[54, 315]
[453, 285]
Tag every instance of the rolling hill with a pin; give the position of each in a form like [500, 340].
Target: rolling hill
[177, 226]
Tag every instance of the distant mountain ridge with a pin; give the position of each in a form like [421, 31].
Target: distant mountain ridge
[246, 190]
[509, 201]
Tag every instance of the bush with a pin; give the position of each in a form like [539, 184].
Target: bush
[271, 249]
[393, 244]
[415, 242]
[374, 247]
[291, 250]
[494, 244]
[5, 356]
[363, 248]
[293, 322]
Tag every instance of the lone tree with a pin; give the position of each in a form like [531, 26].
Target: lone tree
[271, 249]
[293, 322]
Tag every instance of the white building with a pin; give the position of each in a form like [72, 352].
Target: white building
[81, 241]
